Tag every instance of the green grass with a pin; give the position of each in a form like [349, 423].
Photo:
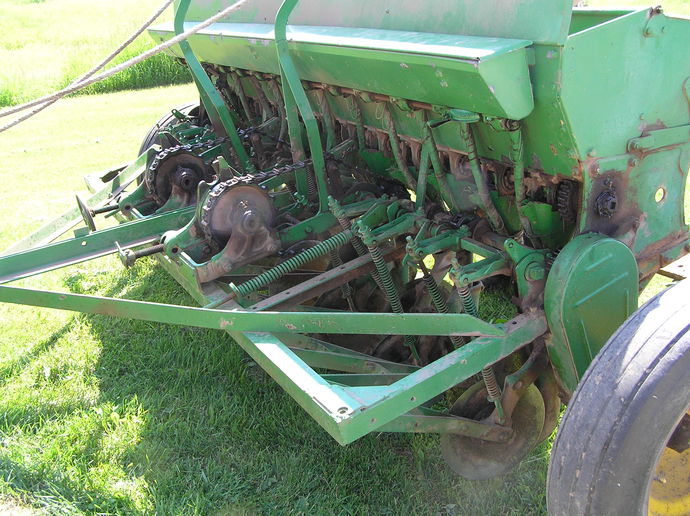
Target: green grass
[44, 45]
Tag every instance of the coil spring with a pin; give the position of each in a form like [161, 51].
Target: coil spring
[440, 304]
[293, 263]
[386, 282]
[311, 184]
[488, 374]
[359, 246]
[356, 242]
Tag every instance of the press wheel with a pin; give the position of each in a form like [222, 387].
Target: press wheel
[477, 459]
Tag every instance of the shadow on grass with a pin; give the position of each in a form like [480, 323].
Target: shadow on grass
[16, 367]
[217, 436]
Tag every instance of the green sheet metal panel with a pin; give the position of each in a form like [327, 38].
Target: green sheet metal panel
[487, 75]
[585, 18]
[624, 77]
[591, 289]
[544, 21]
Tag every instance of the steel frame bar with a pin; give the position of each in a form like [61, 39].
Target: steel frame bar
[213, 102]
[363, 379]
[349, 323]
[348, 413]
[295, 96]
[372, 364]
[94, 245]
[421, 423]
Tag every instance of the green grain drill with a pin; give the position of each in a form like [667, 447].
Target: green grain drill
[357, 175]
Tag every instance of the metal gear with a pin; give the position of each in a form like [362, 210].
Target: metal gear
[223, 209]
[176, 171]
[213, 198]
[566, 201]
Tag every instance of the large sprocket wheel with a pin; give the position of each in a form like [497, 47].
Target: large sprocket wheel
[622, 447]
[174, 177]
[224, 208]
[476, 459]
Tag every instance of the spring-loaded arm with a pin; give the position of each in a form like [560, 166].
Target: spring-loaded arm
[437, 297]
[470, 306]
[487, 204]
[387, 282]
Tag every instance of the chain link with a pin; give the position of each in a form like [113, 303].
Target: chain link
[219, 189]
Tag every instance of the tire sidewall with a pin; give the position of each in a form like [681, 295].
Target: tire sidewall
[623, 412]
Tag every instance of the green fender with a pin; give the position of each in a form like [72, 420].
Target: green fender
[591, 289]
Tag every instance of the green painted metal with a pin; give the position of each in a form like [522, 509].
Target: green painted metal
[215, 105]
[559, 135]
[537, 20]
[97, 244]
[293, 322]
[591, 289]
[296, 97]
[624, 80]
[349, 413]
[346, 413]
[468, 72]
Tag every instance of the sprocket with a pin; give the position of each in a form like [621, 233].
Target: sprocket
[174, 174]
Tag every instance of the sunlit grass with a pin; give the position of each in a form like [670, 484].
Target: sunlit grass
[44, 45]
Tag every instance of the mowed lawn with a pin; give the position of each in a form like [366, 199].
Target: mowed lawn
[45, 44]
[121, 417]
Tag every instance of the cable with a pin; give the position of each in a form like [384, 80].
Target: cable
[117, 69]
[95, 69]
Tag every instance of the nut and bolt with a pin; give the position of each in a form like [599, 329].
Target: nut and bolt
[128, 256]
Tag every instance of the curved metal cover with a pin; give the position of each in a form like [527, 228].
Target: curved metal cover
[542, 21]
[590, 291]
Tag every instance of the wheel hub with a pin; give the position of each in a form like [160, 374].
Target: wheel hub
[173, 177]
[669, 490]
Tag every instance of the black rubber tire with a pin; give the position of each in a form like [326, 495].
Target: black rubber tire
[152, 136]
[622, 413]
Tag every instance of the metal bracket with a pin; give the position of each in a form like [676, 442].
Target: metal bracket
[660, 138]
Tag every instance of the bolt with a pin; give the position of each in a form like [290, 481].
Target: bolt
[128, 257]
[534, 272]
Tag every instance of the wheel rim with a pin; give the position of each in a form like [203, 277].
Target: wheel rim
[669, 487]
